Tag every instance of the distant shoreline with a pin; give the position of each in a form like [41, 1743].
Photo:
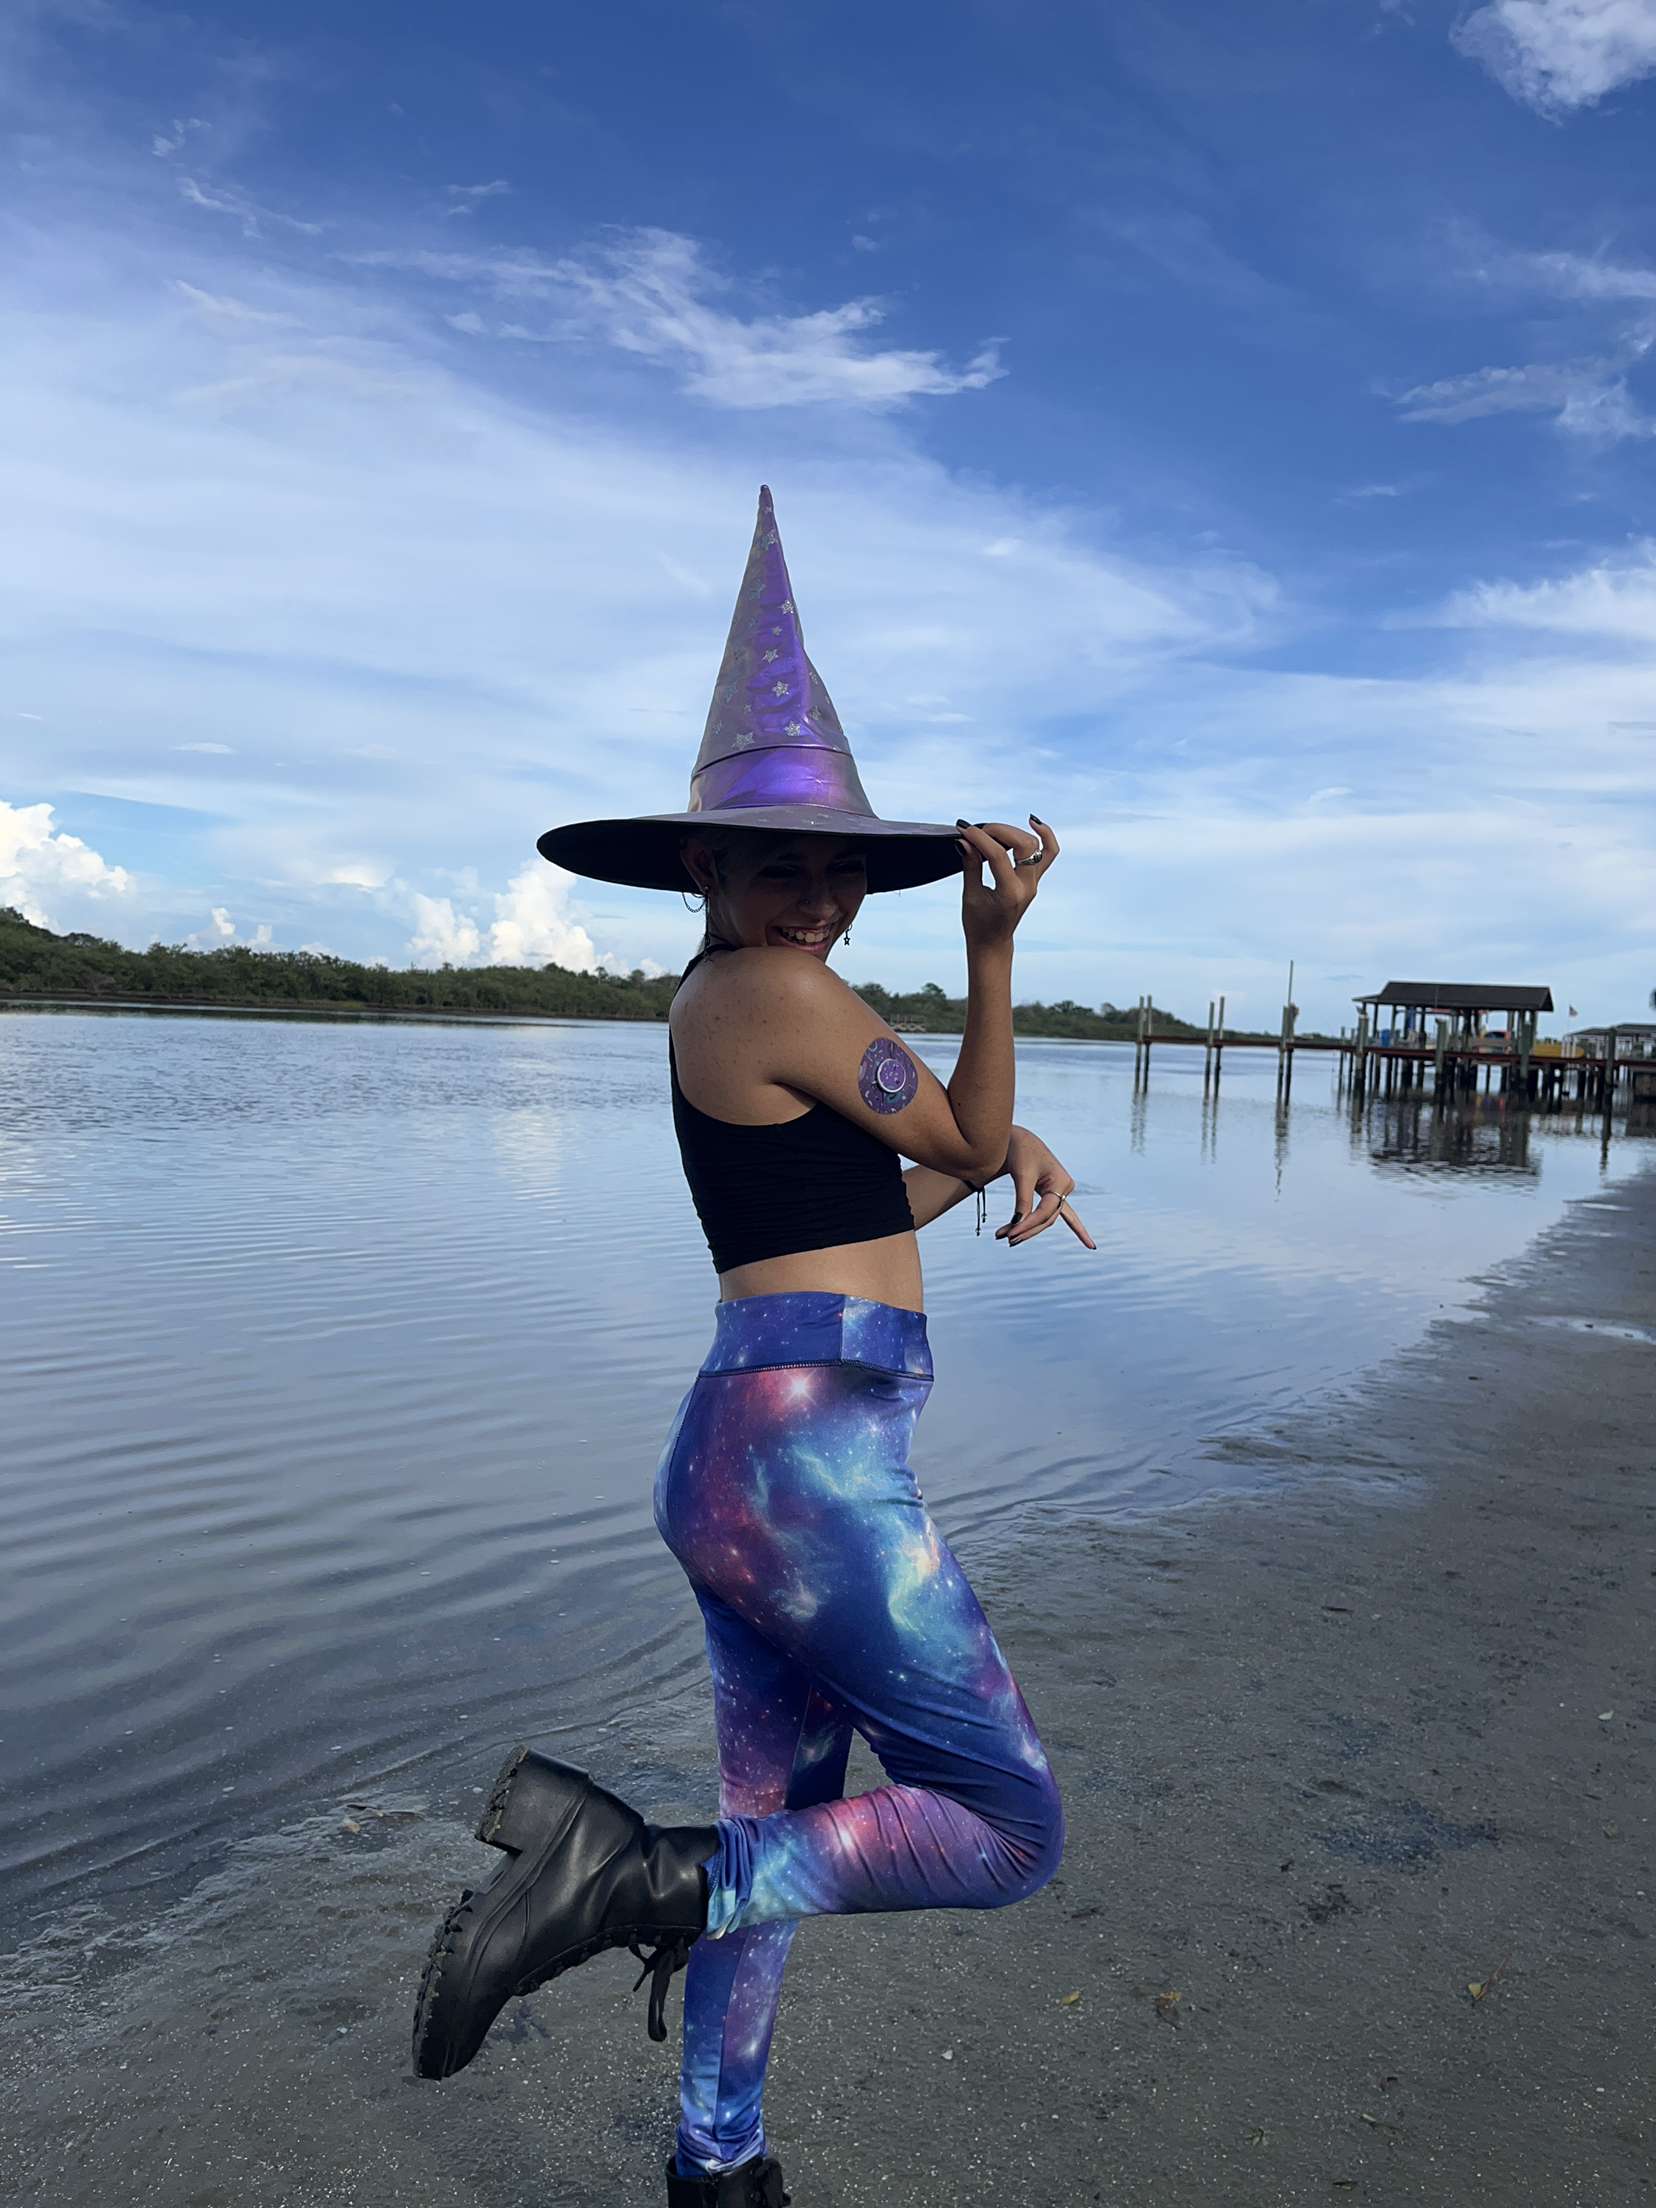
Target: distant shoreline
[310, 1009]
[43, 971]
[290, 1009]
[296, 1008]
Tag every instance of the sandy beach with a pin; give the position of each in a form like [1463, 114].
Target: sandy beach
[1356, 1905]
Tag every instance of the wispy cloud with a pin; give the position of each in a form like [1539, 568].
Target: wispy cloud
[1560, 55]
[1584, 398]
[224, 199]
[465, 199]
[1586, 276]
[225, 310]
[1184, 246]
[1609, 600]
[1590, 395]
[165, 143]
[653, 294]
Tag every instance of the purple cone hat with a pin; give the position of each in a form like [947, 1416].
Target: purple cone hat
[773, 756]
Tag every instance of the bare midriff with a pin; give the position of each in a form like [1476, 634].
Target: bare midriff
[884, 1270]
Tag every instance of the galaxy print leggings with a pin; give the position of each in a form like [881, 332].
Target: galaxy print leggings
[832, 1604]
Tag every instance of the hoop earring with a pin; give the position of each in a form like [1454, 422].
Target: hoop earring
[688, 906]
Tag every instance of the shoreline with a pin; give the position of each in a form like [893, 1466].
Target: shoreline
[1333, 1751]
[290, 1008]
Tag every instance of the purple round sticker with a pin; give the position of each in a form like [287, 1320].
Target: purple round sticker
[888, 1077]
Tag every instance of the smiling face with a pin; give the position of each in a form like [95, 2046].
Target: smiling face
[803, 891]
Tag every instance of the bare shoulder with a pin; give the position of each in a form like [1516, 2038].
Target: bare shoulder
[772, 979]
[770, 1022]
[729, 1017]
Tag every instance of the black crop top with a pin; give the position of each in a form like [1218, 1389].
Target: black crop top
[787, 1185]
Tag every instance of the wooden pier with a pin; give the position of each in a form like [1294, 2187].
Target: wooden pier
[1456, 1058]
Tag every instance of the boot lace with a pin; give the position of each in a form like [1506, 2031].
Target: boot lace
[670, 1956]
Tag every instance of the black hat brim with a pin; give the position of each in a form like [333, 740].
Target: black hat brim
[643, 852]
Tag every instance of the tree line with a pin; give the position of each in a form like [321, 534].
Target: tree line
[88, 968]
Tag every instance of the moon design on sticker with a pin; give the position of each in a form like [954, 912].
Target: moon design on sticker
[888, 1078]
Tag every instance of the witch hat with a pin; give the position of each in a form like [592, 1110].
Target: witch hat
[773, 755]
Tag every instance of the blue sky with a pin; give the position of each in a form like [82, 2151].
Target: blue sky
[1228, 432]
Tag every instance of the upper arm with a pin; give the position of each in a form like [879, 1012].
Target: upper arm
[806, 1028]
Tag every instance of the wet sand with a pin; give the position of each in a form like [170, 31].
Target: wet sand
[1335, 1753]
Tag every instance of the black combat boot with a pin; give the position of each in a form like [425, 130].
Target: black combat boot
[586, 1873]
[755, 2184]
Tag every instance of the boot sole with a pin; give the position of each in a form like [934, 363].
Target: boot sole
[513, 1822]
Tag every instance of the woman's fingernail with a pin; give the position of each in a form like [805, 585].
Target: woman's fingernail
[963, 823]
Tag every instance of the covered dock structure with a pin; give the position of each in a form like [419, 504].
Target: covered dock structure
[1459, 1040]
[1447, 1026]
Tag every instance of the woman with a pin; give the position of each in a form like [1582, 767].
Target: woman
[831, 1602]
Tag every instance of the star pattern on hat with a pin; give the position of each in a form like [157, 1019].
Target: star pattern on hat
[773, 737]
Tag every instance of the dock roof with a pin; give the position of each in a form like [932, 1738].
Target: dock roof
[1462, 996]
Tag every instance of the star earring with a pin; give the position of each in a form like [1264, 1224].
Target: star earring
[846, 937]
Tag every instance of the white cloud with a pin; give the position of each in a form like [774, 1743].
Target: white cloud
[220, 928]
[465, 199]
[1560, 55]
[1584, 276]
[1586, 398]
[38, 861]
[225, 310]
[1610, 600]
[224, 199]
[532, 923]
[650, 294]
[532, 926]
[223, 750]
[356, 874]
[165, 143]
[442, 936]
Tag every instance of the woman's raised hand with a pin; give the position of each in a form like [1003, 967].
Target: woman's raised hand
[1016, 859]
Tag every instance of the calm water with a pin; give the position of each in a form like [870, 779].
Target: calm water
[336, 1361]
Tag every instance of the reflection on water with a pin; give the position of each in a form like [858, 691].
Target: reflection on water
[337, 1361]
[1468, 1134]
